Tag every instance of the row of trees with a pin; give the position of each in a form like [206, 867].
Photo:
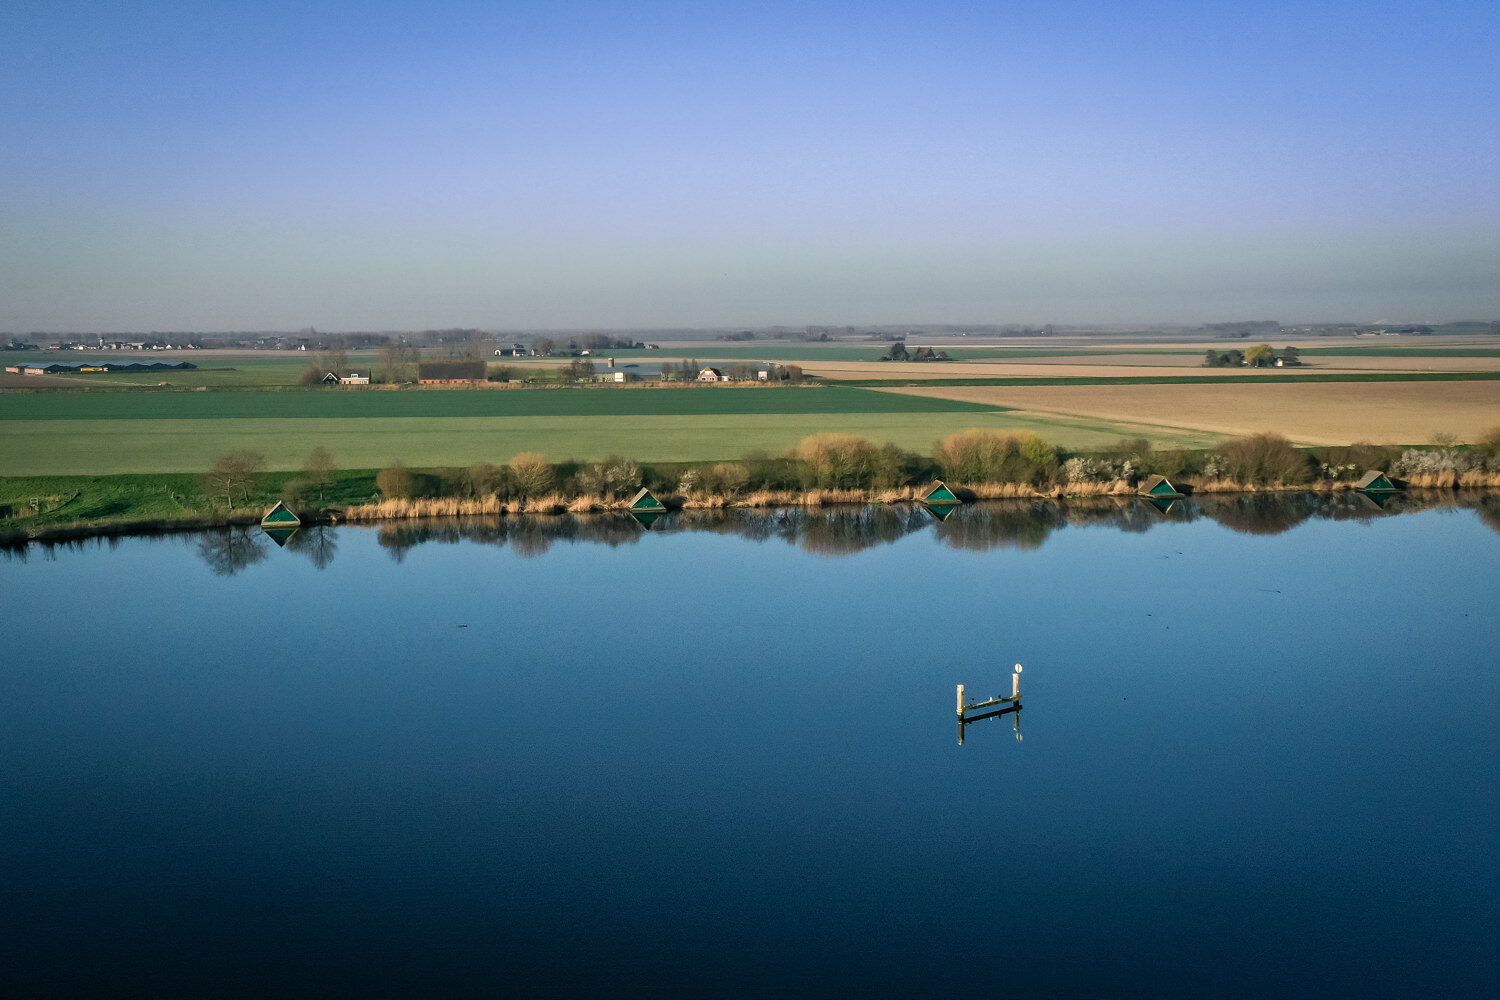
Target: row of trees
[848, 461]
[1257, 356]
[235, 476]
[398, 362]
[898, 352]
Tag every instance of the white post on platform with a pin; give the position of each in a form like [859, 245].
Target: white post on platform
[960, 701]
[1015, 682]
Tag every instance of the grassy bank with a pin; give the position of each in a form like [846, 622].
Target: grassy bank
[821, 469]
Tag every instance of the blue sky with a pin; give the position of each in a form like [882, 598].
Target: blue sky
[398, 165]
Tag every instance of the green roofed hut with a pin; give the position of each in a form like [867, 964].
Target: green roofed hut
[280, 516]
[1376, 482]
[645, 503]
[939, 493]
[1159, 487]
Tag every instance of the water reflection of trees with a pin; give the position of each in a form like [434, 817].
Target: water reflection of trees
[319, 542]
[981, 527]
[844, 530]
[825, 531]
[1488, 508]
[231, 550]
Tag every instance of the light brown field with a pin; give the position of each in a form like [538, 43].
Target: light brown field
[1135, 362]
[1315, 413]
[1030, 368]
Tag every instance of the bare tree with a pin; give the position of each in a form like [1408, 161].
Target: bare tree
[398, 362]
[318, 470]
[533, 474]
[232, 473]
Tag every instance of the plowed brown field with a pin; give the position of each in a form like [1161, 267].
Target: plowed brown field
[1315, 413]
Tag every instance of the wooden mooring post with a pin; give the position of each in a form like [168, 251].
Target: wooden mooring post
[991, 708]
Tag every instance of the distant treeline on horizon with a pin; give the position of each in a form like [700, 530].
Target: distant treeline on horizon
[36, 340]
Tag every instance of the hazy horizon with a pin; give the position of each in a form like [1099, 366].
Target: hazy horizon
[671, 165]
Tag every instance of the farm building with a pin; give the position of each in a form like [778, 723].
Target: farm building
[149, 366]
[51, 368]
[450, 372]
[938, 492]
[1376, 482]
[1158, 486]
[645, 503]
[280, 516]
[712, 375]
[348, 378]
[71, 367]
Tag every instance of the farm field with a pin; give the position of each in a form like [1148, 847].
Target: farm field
[1113, 366]
[240, 368]
[603, 401]
[1192, 363]
[1312, 413]
[104, 447]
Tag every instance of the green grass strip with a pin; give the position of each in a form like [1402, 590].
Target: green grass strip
[582, 402]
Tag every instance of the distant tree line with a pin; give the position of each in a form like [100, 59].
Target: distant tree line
[1258, 356]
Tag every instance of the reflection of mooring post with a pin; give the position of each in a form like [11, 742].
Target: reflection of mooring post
[1012, 703]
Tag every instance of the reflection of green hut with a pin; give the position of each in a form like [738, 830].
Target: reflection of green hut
[279, 535]
[940, 510]
[1376, 482]
[1159, 487]
[938, 493]
[644, 503]
[1163, 505]
[646, 518]
[280, 516]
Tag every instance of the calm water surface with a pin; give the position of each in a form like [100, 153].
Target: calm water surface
[720, 757]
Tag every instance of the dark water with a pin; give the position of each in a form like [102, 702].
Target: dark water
[560, 757]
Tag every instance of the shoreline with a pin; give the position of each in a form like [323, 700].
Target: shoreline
[449, 507]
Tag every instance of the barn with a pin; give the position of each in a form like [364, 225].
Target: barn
[450, 372]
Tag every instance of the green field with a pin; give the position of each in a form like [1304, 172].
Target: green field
[101, 447]
[602, 401]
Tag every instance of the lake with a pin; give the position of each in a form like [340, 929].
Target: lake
[720, 757]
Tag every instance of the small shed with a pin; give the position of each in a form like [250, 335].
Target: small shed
[1159, 486]
[280, 516]
[1376, 482]
[938, 493]
[644, 503]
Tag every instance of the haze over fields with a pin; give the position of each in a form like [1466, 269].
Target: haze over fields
[405, 166]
